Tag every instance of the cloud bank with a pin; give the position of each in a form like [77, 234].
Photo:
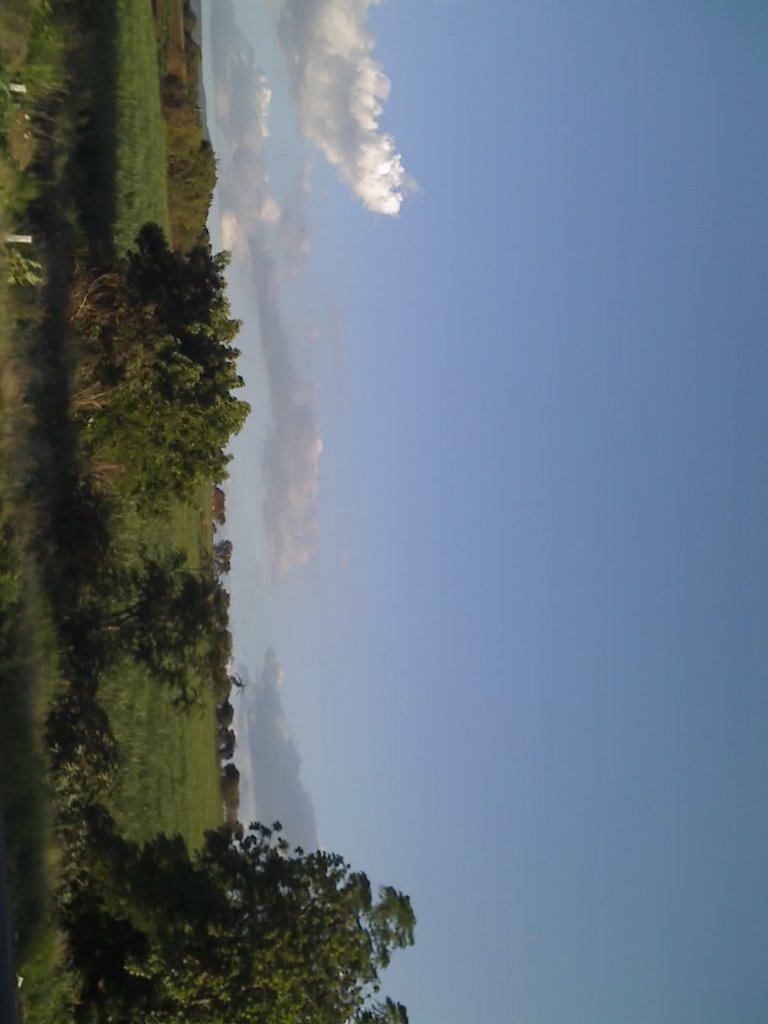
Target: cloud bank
[294, 233]
[248, 213]
[273, 786]
[339, 89]
[293, 446]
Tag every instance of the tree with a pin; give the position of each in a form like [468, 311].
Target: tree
[222, 556]
[191, 171]
[245, 930]
[218, 505]
[225, 713]
[230, 793]
[227, 743]
[222, 687]
[387, 1012]
[171, 619]
[23, 270]
[158, 373]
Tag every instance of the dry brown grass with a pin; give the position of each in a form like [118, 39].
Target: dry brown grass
[175, 58]
[14, 34]
[20, 140]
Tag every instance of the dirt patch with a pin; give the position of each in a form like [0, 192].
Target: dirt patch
[19, 140]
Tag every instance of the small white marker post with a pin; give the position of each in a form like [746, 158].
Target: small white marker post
[19, 239]
[18, 88]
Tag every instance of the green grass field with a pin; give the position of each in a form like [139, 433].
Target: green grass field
[169, 767]
[140, 179]
[169, 775]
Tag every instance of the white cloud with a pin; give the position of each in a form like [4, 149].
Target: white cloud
[340, 89]
[233, 236]
[251, 221]
[294, 233]
[293, 445]
[270, 212]
[262, 97]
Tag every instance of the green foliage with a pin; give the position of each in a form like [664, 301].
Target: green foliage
[10, 582]
[227, 743]
[225, 714]
[218, 505]
[191, 165]
[44, 72]
[230, 794]
[222, 556]
[242, 931]
[145, 636]
[171, 620]
[27, 667]
[31, 52]
[22, 270]
[82, 752]
[168, 772]
[191, 173]
[15, 30]
[159, 372]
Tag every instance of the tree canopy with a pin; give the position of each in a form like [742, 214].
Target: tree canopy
[242, 931]
[156, 391]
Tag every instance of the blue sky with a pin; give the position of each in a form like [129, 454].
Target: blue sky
[520, 597]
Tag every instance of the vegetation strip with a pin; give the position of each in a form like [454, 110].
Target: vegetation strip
[7, 974]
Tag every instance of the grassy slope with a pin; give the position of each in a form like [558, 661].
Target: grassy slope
[169, 778]
[140, 190]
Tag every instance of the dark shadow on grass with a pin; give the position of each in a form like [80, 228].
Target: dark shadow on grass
[22, 794]
[96, 156]
[8, 994]
[67, 535]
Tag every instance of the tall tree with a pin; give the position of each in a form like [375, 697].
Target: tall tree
[244, 930]
[170, 618]
[156, 398]
[222, 556]
[230, 793]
